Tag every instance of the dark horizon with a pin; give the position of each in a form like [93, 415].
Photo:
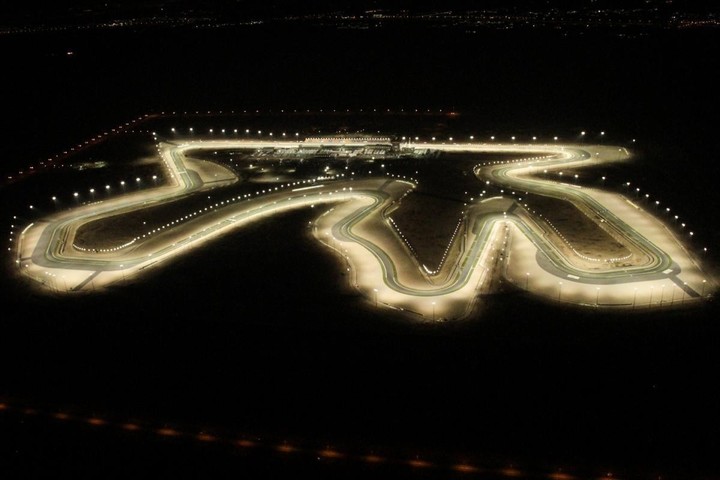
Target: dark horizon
[93, 10]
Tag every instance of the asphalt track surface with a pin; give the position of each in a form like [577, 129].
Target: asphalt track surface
[502, 237]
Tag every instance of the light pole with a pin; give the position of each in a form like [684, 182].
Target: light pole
[702, 293]
[635, 297]
[433, 311]
[50, 282]
[651, 294]
[662, 293]
[682, 298]
[672, 297]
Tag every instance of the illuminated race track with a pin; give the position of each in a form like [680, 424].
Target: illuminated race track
[502, 237]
